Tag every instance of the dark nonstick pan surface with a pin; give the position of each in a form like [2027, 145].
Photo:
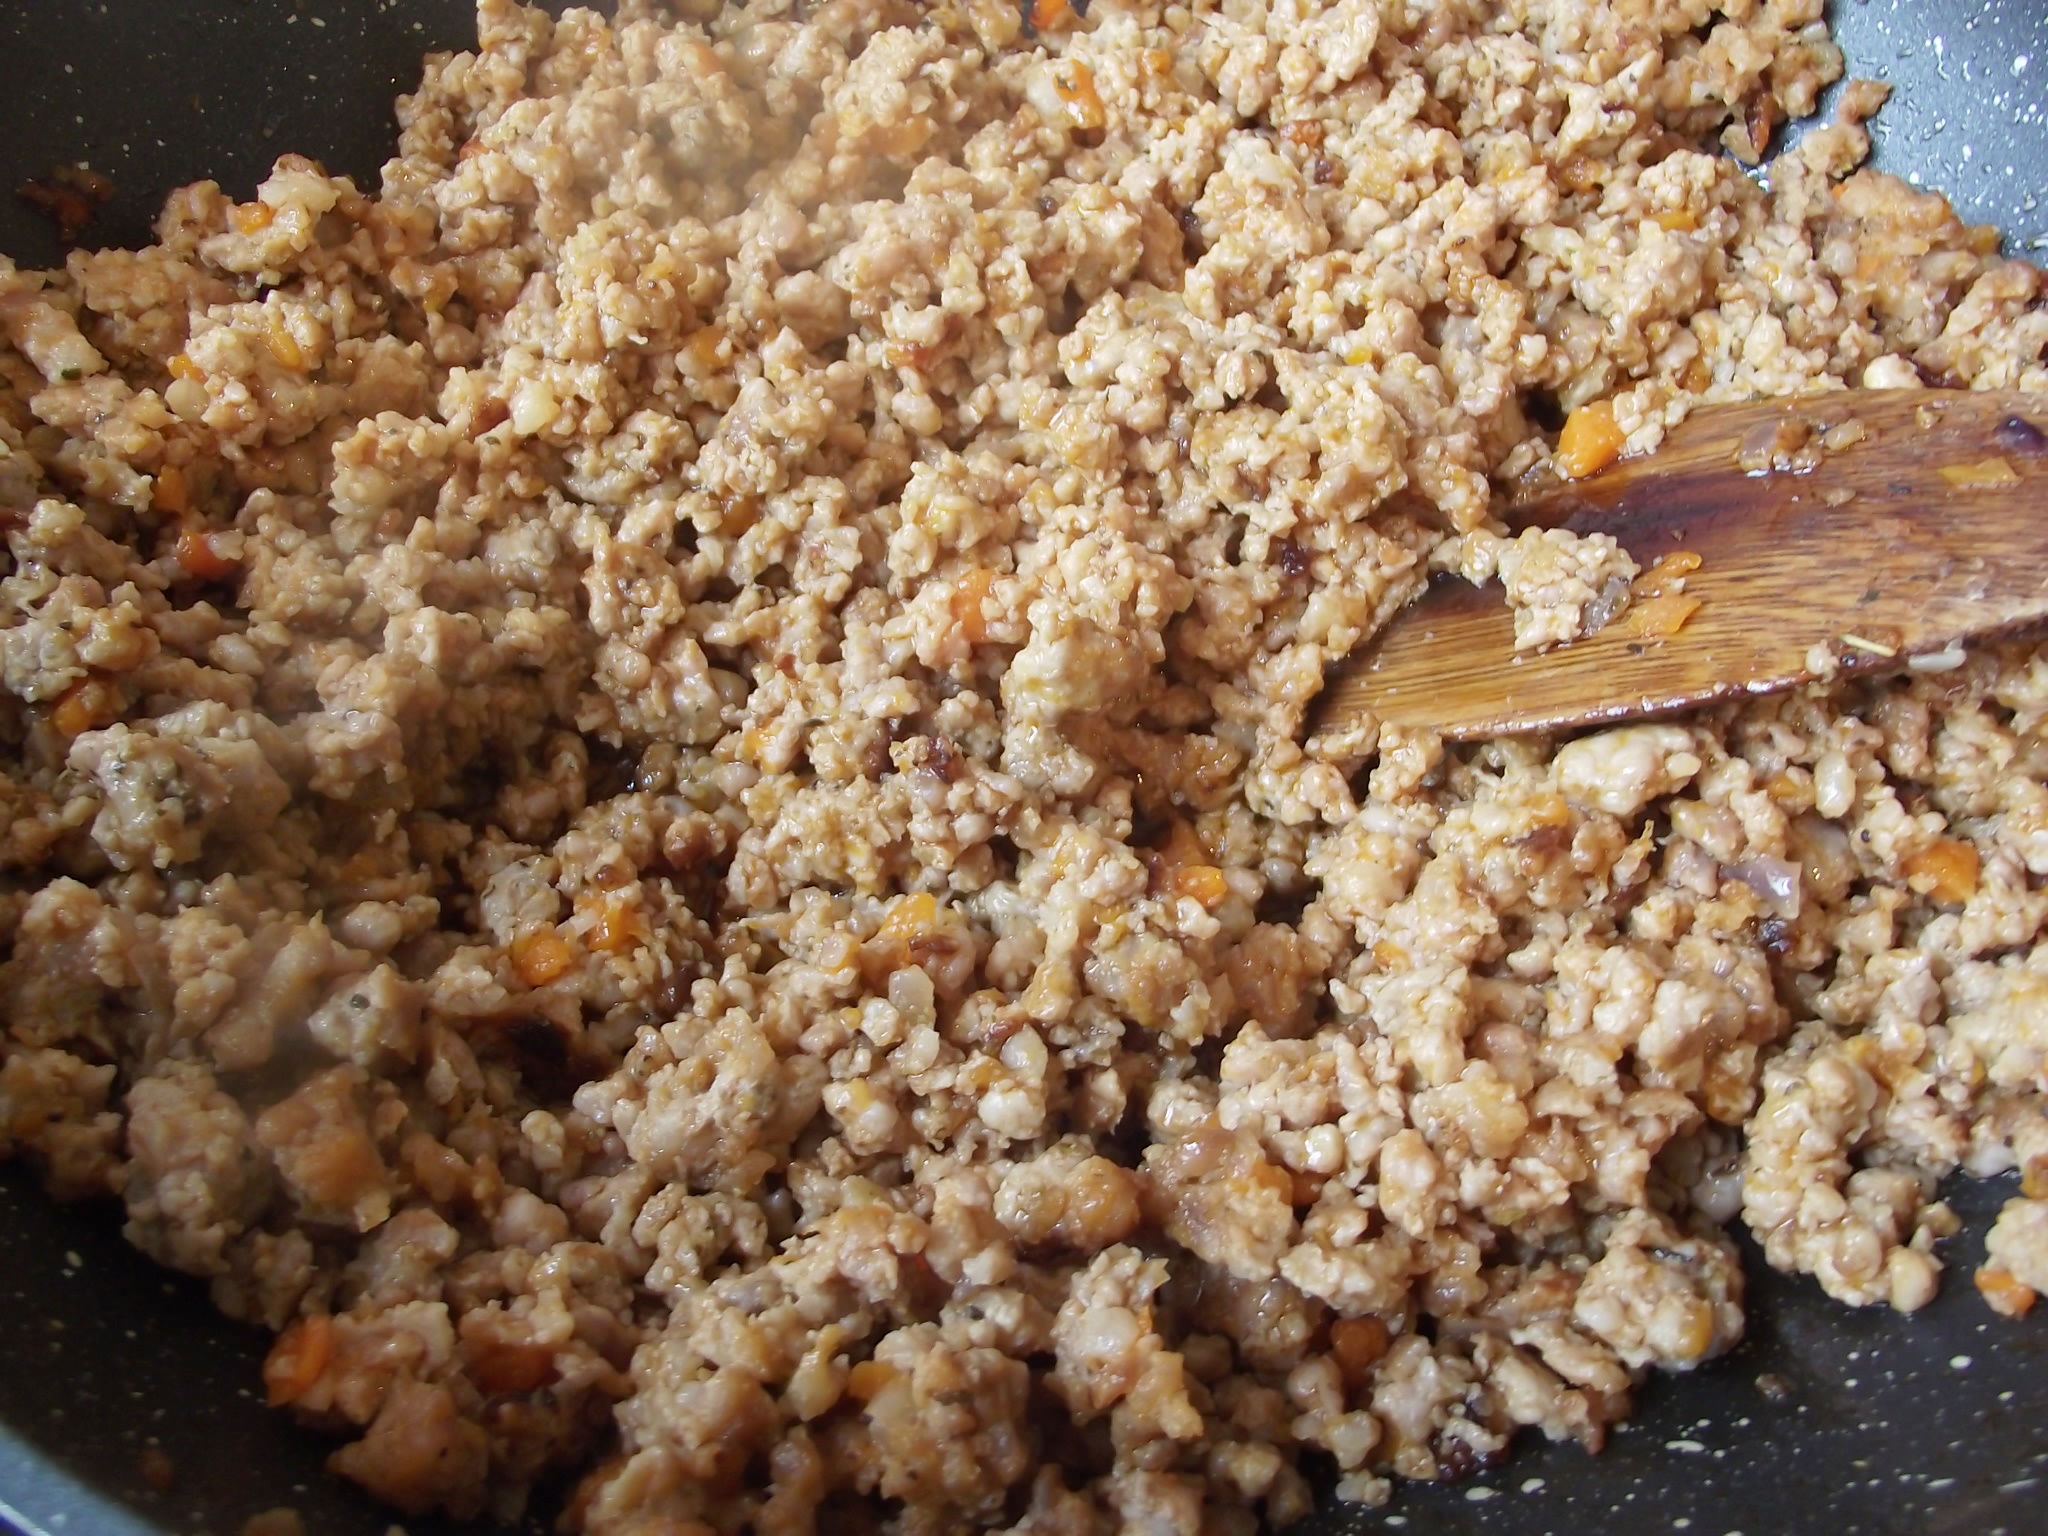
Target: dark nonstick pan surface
[1866, 1422]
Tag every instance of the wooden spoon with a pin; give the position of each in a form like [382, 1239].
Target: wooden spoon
[1871, 526]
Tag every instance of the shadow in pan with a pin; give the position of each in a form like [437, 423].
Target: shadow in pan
[1868, 1423]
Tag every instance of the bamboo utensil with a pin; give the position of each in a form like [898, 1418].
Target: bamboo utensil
[1846, 532]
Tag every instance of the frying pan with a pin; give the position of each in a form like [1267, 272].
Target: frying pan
[1825, 1421]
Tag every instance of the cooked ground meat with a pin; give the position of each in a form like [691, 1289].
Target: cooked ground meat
[656, 795]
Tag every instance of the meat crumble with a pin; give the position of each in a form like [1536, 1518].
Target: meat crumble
[659, 789]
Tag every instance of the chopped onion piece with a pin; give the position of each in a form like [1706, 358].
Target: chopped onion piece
[1775, 882]
[1945, 660]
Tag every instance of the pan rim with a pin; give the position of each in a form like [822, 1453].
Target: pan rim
[39, 1496]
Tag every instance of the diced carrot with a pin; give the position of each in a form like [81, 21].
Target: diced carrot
[506, 1367]
[1204, 882]
[912, 917]
[1667, 576]
[1358, 1344]
[297, 1359]
[1075, 85]
[966, 604]
[2007, 1294]
[618, 929]
[1051, 15]
[1661, 617]
[1679, 219]
[1945, 869]
[182, 367]
[867, 1379]
[540, 955]
[616, 925]
[705, 344]
[284, 346]
[906, 936]
[195, 552]
[1784, 786]
[170, 493]
[86, 706]
[253, 218]
[1591, 440]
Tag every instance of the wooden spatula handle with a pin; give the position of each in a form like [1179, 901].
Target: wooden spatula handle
[1854, 529]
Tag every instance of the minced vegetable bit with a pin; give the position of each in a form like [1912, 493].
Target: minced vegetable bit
[656, 790]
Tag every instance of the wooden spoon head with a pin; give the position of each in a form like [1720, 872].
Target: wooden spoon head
[1845, 532]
